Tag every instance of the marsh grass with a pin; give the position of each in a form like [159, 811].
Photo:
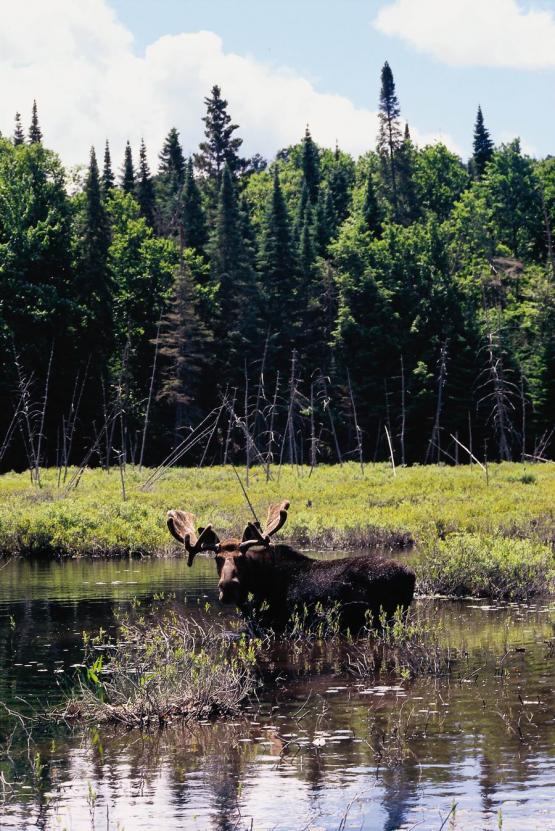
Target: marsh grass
[490, 566]
[504, 519]
[156, 671]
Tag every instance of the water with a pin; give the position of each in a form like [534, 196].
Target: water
[322, 750]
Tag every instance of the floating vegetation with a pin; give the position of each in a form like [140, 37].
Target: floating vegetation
[157, 671]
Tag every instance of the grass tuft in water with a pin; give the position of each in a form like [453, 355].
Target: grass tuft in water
[157, 671]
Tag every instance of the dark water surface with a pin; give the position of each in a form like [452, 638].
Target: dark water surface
[322, 750]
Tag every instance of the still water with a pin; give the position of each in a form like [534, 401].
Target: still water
[321, 749]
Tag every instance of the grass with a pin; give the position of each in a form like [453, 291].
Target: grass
[160, 670]
[436, 507]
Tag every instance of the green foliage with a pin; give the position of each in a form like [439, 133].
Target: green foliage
[486, 566]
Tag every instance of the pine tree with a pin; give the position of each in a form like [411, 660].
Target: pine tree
[145, 188]
[221, 147]
[370, 207]
[311, 166]
[35, 134]
[192, 214]
[108, 180]
[483, 146]
[18, 135]
[172, 161]
[128, 172]
[389, 136]
[307, 248]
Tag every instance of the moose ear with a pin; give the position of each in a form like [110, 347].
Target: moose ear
[277, 517]
[252, 532]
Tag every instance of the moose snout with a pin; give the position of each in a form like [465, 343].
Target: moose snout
[229, 590]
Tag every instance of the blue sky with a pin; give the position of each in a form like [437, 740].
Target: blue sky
[126, 69]
[337, 47]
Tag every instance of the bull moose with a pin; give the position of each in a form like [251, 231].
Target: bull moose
[256, 573]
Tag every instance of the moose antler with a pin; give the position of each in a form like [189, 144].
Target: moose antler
[181, 525]
[277, 516]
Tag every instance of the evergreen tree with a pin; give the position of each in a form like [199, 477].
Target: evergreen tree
[18, 135]
[94, 281]
[35, 134]
[339, 183]
[221, 147]
[172, 161]
[322, 229]
[184, 349]
[389, 137]
[278, 269]
[145, 188]
[408, 203]
[128, 172]
[311, 166]
[482, 146]
[192, 214]
[307, 248]
[232, 274]
[371, 208]
[108, 180]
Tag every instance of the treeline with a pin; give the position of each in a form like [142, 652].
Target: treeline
[316, 307]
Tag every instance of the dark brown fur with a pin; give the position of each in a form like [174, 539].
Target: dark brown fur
[281, 580]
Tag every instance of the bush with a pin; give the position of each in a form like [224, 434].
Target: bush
[485, 566]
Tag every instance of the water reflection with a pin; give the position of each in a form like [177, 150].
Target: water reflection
[319, 749]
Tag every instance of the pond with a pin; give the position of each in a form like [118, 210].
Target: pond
[321, 749]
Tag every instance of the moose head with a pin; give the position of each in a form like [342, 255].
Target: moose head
[231, 554]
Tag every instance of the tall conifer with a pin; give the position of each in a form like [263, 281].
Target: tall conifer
[221, 146]
[192, 213]
[172, 161]
[311, 166]
[389, 136]
[128, 171]
[35, 133]
[18, 135]
[482, 146]
[145, 188]
[108, 180]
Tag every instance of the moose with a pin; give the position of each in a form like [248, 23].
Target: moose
[256, 574]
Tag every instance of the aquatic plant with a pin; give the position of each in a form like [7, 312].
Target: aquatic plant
[156, 671]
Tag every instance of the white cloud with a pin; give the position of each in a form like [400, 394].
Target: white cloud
[499, 33]
[78, 61]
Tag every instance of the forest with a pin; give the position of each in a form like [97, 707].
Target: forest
[309, 308]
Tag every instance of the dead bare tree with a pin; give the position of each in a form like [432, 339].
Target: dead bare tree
[498, 394]
[150, 391]
[358, 431]
[435, 440]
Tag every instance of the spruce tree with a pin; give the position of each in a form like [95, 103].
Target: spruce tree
[370, 207]
[172, 161]
[35, 134]
[221, 147]
[482, 146]
[18, 135]
[389, 136]
[322, 230]
[145, 188]
[192, 213]
[108, 180]
[128, 172]
[307, 248]
[311, 166]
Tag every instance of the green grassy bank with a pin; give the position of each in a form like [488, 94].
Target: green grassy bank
[454, 515]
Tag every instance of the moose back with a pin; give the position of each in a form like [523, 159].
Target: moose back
[254, 573]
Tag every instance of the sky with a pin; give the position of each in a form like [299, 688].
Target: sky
[126, 69]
